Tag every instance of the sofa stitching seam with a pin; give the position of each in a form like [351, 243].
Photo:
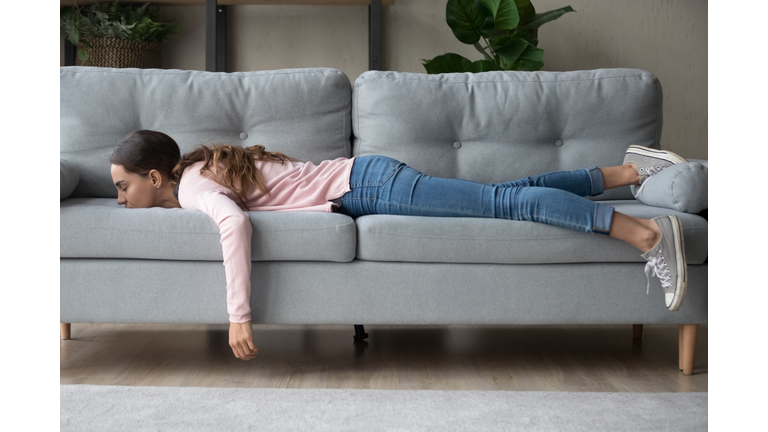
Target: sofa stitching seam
[659, 110]
[395, 234]
[484, 239]
[467, 239]
[512, 81]
[202, 73]
[336, 228]
[356, 101]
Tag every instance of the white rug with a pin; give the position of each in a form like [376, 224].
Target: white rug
[134, 408]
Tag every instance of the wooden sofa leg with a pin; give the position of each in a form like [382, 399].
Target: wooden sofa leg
[680, 345]
[637, 331]
[65, 328]
[687, 340]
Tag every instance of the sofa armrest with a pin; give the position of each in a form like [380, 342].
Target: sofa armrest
[681, 187]
[701, 161]
[703, 213]
[69, 179]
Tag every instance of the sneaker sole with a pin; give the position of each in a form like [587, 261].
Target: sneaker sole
[664, 155]
[682, 269]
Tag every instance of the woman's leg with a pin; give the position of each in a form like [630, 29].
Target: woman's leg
[382, 185]
[641, 233]
[622, 175]
[583, 182]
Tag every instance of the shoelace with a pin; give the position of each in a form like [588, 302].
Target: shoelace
[656, 266]
[649, 172]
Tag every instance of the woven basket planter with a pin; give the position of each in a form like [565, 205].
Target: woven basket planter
[122, 53]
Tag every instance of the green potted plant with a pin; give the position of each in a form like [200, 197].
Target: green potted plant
[509, 29]
[114, 35]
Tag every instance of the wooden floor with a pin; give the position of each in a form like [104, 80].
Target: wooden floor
[601, 358]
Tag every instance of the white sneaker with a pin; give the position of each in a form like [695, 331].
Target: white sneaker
[666, 260]
[650, 161]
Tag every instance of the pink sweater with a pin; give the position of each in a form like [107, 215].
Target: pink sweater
[293, 186]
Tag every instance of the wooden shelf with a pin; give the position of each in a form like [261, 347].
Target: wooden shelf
[244, 2]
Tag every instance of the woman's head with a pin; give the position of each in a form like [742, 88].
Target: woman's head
[147, 166]
[142, 167]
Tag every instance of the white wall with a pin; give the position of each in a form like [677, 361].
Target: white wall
[665, 37]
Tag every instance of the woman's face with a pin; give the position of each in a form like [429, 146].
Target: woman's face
[133, 190]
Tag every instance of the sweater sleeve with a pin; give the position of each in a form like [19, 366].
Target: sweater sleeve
[236, 232]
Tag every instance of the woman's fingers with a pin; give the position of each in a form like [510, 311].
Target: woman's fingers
[249, 348]
[241, 340]
[249, 355]
[249, 341]
[244, 351]
[252, 347]
[236, 350]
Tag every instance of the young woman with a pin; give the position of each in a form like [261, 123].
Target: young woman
[225, 181]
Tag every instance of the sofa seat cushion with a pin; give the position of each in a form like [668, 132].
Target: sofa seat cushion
[481, 240]
[99, 228]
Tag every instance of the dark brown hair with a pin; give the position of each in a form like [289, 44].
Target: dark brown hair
[144, 150]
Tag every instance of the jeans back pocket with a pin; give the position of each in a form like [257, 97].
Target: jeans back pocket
[373, 170]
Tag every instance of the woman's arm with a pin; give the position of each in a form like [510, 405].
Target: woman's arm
[236, 232]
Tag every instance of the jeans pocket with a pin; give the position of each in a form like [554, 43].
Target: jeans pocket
[373, 170]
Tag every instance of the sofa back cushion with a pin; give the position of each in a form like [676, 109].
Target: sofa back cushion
[495, 127]
[304, 113]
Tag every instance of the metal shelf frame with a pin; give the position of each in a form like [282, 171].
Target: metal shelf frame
[216, 37]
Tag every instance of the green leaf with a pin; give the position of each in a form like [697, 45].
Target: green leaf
[140, 11]
[82, 55]
[491, 5]
[525, 35]
[119, 21]
[506, 16]
[65, 12]
[543, 18]
[482, 66]
[74, 36]
[509, 48]
[532, 59]
[114, 12]
[468, 20]
[447, 63]
[526, 11]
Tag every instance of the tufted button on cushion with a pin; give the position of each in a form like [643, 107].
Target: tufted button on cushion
[457, 144]
[559, 142]
[243, 135]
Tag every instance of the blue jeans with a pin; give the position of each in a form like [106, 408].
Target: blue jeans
[382, 185]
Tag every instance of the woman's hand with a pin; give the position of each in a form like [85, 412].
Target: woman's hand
[241, 340]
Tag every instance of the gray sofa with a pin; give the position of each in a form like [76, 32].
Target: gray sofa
[166, 265]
